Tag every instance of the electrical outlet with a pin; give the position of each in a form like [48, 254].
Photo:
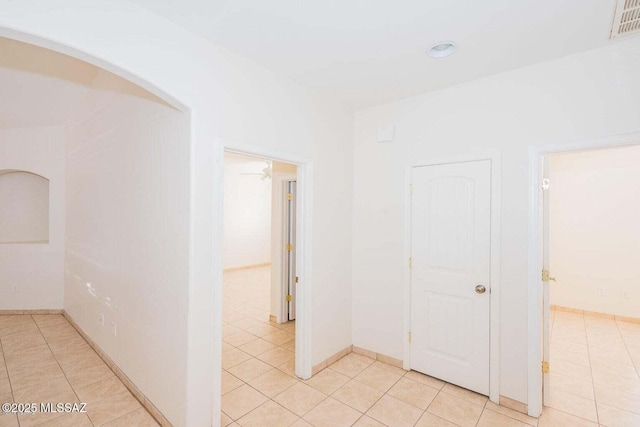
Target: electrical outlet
[114, 329]
[625, 295]
[101, 319]
[15, 288]
[601, 291]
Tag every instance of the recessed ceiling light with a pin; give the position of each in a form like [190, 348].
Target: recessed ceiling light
[442, 49]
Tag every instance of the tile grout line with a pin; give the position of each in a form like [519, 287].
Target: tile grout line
[8, 376]
[237, 316]
[595, 401]
[571, 392]
[45, 341]
[268, 398]
[592, 383]
[484, 408]
[9, 379]
[626, 346]
[250, 386]
[67, 379]
[131, 387]
[298, 380]
[377, 400]
[59, 365]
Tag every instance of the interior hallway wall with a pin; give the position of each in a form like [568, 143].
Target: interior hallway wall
[233, 102]
[247, 212]
[37, 269]
[127, 248]
[594, 236]
[588, 95]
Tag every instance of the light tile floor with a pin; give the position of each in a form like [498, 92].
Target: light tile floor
[595, 365]
[44, 359]
[595, 370]
[259, 387]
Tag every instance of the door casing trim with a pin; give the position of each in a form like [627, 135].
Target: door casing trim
[304, 222]
[494, 321]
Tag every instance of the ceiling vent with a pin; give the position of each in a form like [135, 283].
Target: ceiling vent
[627, 18]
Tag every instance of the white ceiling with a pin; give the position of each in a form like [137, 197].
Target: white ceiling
[372, 51]
[39, 87]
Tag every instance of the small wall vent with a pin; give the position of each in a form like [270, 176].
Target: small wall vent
[626, 19]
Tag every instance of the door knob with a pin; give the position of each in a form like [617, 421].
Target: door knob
[480, 289]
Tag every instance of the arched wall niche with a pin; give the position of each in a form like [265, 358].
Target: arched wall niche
[24, 207]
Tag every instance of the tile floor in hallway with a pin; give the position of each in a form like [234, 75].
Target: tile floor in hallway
[259, 387]
[595, 370]
[44, 359]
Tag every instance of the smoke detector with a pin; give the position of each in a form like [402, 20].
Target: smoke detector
[626, 19]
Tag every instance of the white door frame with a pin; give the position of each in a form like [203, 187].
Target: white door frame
[304, 223]
[278, 243]
[534, 294]
[494, 335]
[289, 222]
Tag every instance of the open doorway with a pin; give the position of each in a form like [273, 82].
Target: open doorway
[591, 302]
[259, 278]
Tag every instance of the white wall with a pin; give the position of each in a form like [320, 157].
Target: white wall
[36, 268]
[24, 208]
[39, 87]
[238, 101]
[582, 96]
[247, 213]
[232, 101]
[127, 248]
[594, 241]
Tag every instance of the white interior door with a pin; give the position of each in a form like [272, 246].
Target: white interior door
[290, 248]
[546, 304]
[450, 273]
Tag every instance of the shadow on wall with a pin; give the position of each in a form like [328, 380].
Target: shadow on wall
[24, 207]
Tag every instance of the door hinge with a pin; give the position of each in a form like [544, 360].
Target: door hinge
[545, 367]
[297, 278]
[546, 277]
[288, 298]
[410, 262]
[289, 196]
[409, 336]
[289, 247]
